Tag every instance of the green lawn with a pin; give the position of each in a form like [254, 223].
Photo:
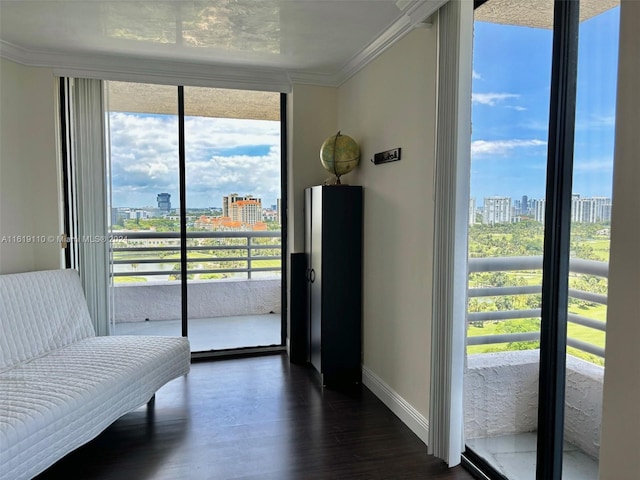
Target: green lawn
[275, 263]
[129, 279]
[600, 248]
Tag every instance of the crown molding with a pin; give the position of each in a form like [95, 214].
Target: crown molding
[174, 72]
[417, 11]
[150, 70]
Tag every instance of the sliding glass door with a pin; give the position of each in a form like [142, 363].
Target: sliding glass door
[532, 410]
[144, 176]
[195, 214]
[234, 228]
[509, 156]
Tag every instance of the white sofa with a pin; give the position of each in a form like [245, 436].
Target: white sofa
[60, 385]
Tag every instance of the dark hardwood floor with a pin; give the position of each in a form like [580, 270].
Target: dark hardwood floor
[255, 418]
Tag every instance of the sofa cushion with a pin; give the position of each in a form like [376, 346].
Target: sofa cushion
[39, 312]
[56, 403]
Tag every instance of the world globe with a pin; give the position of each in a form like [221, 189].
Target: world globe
[339, 154]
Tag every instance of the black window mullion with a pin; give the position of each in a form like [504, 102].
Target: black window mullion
[66, 167]
[183, 211]
[283, 218]
[555, 271]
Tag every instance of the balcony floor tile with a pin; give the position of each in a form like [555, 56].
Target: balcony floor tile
[515, 457]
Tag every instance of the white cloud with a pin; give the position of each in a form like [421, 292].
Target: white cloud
[491, 99]
[502, 147]
[223, 156]
[476, 75]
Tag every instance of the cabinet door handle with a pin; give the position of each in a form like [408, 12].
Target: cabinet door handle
[312, 275]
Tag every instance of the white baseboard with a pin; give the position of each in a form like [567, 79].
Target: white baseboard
[398, 405]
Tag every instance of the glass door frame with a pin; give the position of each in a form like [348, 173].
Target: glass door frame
[555, 273]
[70, 216]
[183, 236]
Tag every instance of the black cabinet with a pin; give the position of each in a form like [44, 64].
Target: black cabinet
[333, 245]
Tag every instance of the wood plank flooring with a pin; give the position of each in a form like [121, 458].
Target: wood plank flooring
[255, 418]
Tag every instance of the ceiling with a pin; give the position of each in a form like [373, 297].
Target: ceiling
[268, 41]
[534, 13]
[248, 44]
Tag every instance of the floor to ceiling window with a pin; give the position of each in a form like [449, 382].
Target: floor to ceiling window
[512, 88]
[195, 176]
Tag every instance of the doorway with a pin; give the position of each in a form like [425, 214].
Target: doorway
[539, 218]
[195, 205]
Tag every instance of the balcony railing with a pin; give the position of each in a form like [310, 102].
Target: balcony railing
[533, 264]
[245, 255]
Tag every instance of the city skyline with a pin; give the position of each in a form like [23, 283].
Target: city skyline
[502, 209]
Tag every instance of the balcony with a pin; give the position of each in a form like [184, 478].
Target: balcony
[501, 388]
[234, 287]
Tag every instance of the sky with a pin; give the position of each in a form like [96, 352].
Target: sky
[510, 108]
[510, 104]
[223, 156]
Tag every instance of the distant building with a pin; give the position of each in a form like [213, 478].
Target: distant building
[138, 215]
[590, 210]
[247, 209]
[226, 201]
[496, 210]
[602, 209]
[538, 209]
[164, 202]
[516, 208]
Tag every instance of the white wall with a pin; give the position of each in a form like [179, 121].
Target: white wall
[392, 103]
[621, 404]
[312, 116]
[28, 168]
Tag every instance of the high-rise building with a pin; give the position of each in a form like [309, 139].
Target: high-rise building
[577, 208]
[496, 210]
[229, 200]
[247, 211]
[602, 207]
[226, 202]
[524, 205]
[538, 209]
[164, 201]
[590, 210]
